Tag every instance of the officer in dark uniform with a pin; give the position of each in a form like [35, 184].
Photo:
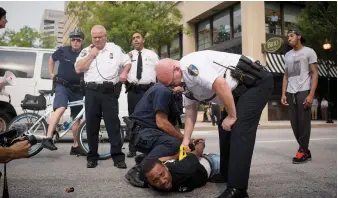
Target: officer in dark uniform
[67, 88]
[238, 82]
[102, 63]
[153, 128]
[140, 77]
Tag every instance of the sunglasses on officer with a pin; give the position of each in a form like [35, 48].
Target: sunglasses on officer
[76, 39]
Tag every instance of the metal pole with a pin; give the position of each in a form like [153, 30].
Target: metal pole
[329, 120]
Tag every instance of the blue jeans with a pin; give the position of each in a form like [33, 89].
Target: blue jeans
[214, 161]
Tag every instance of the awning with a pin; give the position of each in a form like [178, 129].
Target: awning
[276, 62]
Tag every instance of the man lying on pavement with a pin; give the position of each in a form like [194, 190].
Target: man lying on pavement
[193, 171]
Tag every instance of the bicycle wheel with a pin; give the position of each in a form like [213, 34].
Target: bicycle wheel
[29, 119]
[103, 141]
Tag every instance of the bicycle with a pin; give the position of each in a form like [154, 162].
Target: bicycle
[33, 127]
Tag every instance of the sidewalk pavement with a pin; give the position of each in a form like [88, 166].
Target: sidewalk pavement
[204, 126]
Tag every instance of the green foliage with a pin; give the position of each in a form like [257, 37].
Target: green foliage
[24, 38]
[48, 41]
[157, 21]
[318, 22]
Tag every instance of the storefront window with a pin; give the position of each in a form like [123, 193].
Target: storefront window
[164, 51]
[204, 35]
[237, 21]
[272, 18]
[221, 27]
[291, 11]
[175, 48]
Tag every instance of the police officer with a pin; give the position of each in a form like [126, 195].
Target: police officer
[242, 86]
[101, 63]
[140, 77]
[153, 128]
[67, 88]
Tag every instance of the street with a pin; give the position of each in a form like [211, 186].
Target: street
[48, 174]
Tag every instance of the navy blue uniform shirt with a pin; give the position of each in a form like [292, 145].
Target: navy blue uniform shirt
[67, 57]
[157, 98]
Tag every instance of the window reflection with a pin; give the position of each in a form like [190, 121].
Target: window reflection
[22, 64]
[204, 36]
[221, 27]
[237, 21]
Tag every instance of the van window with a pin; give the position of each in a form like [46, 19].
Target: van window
[44, 66]
[22, 64]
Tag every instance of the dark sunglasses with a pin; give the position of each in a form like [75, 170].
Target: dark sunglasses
[78, 40]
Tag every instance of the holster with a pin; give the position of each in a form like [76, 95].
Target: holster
[72, 87]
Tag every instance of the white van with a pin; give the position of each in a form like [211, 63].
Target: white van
[30, 66]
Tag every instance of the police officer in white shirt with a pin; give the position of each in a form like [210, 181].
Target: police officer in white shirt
[141, 76]
[232, 80]
[101, 63]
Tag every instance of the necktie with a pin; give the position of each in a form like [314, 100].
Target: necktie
[139, 66]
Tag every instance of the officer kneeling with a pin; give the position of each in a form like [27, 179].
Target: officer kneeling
[226, 79]
[101, 63]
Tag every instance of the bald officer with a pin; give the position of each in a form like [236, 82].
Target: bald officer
[232, 80]
[101, 63]
[141, 76]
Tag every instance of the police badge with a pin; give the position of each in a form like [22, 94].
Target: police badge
[111, 56]
[193, 70]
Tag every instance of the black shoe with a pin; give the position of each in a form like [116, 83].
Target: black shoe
[234, 193]
[121, 165]
[301, 157]
[139, 158]
[217, 179]
[77, 151]
[131, 154]
[91, 163]
[133, 176]
[49, 144]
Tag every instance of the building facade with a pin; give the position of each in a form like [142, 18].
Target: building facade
[52, 24]
[257, 29]
[70, 23]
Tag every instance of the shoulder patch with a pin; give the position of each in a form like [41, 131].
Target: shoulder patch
[193, 70]
[84, 52]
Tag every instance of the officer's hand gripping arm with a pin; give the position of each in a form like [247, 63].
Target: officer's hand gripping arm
[223, 91]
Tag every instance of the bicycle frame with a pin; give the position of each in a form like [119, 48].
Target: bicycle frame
[50, 110]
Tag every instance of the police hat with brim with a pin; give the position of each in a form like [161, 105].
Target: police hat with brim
[298, 33]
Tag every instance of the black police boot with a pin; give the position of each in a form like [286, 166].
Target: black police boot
[121, 165]
[77, 151]
[91, 163]
[134, 177]
[49, 144]
[218, 178]
[131, 154]
[139, 158]
[234, 193]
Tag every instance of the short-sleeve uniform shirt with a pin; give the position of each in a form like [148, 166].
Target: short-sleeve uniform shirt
[200, 70]
[107, 65]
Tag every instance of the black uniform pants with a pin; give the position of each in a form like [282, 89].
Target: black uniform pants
[134, 96]
[97, 103]
[237, 145]
[215, 112]
[155, 143]
[300, 118]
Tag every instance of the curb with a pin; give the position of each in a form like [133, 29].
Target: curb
[324, 125]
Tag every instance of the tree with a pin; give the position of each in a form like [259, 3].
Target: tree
[6, 36]
[318, 22]
[159, 22]
[24, 38]
[48, 41]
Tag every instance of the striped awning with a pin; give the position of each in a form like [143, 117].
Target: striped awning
[276, 62]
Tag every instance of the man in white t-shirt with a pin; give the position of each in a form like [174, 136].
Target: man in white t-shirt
[323, 107]
[211, 76]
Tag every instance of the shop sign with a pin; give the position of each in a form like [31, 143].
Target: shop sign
[273, 45]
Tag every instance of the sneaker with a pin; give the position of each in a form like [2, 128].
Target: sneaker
[301, 157]
[77, 151]
[49, 144]
[308, 153]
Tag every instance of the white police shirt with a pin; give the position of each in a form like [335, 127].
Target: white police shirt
[109, 62]
[200, 70]
[149, 60]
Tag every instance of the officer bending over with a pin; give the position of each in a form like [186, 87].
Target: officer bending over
[67, 89]
[232, 80]
[153, 128]
[101, 63]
